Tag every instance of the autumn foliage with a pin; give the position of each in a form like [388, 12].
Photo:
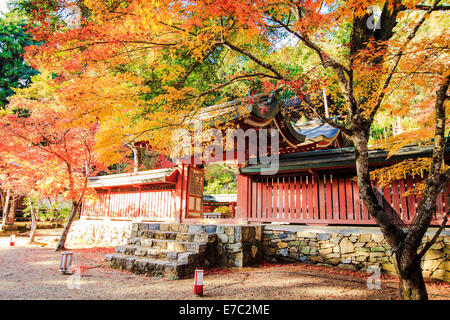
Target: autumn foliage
[116, 72]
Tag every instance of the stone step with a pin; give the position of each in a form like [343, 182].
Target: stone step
[149, 266]
[174, 235]
[172, 245]
[176, 227]
[166, 249]
[156, 253]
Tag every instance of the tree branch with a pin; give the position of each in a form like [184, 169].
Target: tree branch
[438, 231]
[265, 65]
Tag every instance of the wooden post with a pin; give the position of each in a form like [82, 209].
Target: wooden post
[181, 193]
[243, 200]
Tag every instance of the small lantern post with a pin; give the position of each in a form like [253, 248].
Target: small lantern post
[66, 261]
[198, 282]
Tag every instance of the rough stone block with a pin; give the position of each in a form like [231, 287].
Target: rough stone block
[305, 250]
[325, 251]
[378, 238]
[229, 231]
[346, 246]
[210, 229]
[282, 245]
[364, 237]
[193, 228]
[317, 258]
[324, 236]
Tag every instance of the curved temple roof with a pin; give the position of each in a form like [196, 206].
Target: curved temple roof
[265, 111]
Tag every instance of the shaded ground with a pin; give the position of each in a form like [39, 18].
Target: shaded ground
[25, 226]
[31, 272]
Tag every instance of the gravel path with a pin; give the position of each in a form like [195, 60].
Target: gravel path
[31, 272]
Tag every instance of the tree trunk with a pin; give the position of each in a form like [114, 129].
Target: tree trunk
[6, 207]
[62, 240]
[34, 218]
[412, 285]
[11, 216]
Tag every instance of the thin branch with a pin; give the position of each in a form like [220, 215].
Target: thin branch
[397, 58]
[255, 59]
[424, 7]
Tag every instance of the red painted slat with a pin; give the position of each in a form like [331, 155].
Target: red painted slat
[411, 198]
[365, 212]
[356, 201]
[253, 211]
[321, 198]
[304, 198]
[280, 199]
[387, 195]
[349, 196]
[403, 200]
[270, 198]
[275, 198]
[328, 198]
[395, 198]
[263, 183]
[418, 180]
[297, 198]
[287, 192]
[292, 198]
[342, 199]
[311, 191]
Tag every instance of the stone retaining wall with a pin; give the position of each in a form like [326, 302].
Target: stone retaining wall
[353, 248]
[101, 232]
[348, 248]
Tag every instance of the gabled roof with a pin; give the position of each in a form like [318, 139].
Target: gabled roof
[157, 176]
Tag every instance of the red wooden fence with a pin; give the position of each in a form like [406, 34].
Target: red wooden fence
[310, 199]
[328, 199]
[155, 203]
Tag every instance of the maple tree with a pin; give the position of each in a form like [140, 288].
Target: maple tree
[45, 156]
[140, 69]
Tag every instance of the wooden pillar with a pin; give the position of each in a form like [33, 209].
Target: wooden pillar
[243, 198]
[181, 193]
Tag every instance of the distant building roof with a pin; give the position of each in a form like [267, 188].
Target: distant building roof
[161, 176]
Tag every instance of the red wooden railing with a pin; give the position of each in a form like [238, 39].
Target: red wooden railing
[309, 199]
[328, 199]
[148, 202]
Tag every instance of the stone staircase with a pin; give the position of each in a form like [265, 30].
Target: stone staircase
[162, 249]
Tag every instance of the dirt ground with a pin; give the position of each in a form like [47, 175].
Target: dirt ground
[31, 272]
